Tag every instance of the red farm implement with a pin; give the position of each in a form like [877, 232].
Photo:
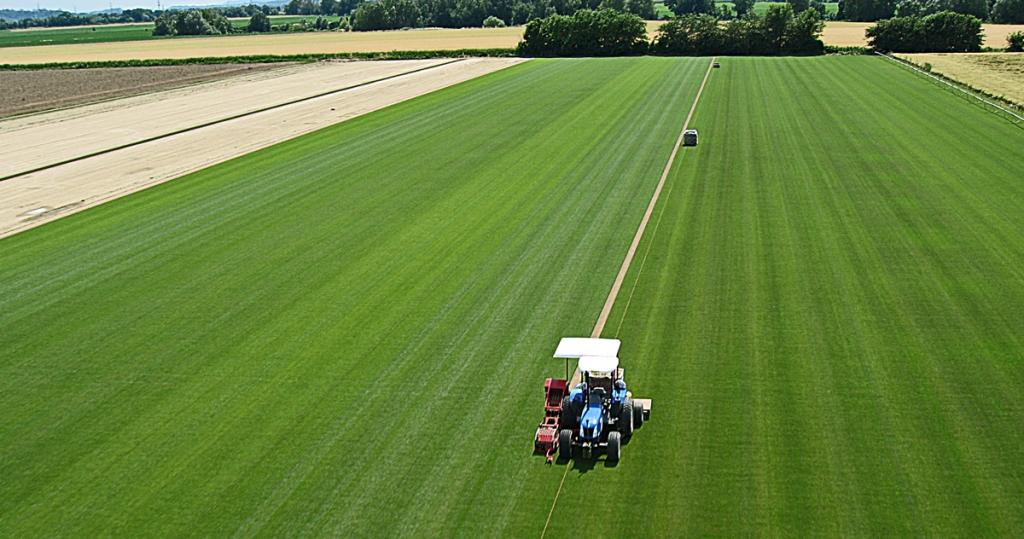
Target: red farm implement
[546, 440]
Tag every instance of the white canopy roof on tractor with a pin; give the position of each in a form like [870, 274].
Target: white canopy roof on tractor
[580, 347]
[598, 364]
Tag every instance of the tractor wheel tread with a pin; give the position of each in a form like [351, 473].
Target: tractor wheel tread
[614, 446]
[565, 444]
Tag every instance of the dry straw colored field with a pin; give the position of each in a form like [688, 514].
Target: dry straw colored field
[1000, 74]
[836, 33]
[851, 34]
[283, 44]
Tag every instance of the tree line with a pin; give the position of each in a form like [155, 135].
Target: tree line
[64, 18]
[998, 11]
[613, 33]
[393, 14]
[944, 31]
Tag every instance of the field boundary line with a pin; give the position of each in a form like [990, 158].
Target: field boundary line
[227, 119]
[602, 319]
[907, 64]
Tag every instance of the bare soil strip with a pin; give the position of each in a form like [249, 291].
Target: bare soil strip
[602, 319]
[35, 142]
[47, 89]
[30, 200]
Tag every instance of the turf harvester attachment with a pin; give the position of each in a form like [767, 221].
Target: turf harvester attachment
[598, 412]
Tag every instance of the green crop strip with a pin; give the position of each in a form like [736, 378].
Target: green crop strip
[829, 318]
[343, 334]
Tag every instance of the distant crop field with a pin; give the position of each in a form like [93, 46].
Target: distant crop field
[851, 34]
[999, 74]
[269, 44]
[111, 33]
[836, 33]
[76, 35]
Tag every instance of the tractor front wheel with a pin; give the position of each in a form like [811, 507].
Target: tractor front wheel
[565, 444]
[638, 416]
[614, 446]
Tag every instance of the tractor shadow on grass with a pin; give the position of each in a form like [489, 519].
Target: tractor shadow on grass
[582, 465]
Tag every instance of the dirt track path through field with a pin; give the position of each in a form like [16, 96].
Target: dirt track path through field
[40, 140]
[32, 199]
[602, 319]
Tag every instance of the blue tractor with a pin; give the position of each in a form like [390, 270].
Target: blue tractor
[599, 411]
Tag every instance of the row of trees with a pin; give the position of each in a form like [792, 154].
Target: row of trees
[999, 11]
[65, 18]
[740, 8]
[192, 23]
[392, 14]
[945, 31]
[780, 31]
[613, 33]
[586, 33]
[321, 7]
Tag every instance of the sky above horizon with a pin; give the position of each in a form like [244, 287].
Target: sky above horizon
[96, 5]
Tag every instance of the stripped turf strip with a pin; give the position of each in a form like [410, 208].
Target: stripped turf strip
[829, 320]
[345, 334]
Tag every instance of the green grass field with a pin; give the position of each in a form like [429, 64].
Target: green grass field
[829, 319]
[347, 334]
[307, 338]
[112, 32]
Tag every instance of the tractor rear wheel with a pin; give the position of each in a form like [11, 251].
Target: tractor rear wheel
[614, 446]
[626, 418]
[567, 418]
[638, 416]
[565, 444]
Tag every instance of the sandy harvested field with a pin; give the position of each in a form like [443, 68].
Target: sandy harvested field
[851, 34]
[298, 43]
[32, 199]
[55, 88]
[836, 33]
[35, 141]
[1000, 74]
[283, 44]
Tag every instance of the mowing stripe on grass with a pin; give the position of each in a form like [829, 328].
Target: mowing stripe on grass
[617, 284]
